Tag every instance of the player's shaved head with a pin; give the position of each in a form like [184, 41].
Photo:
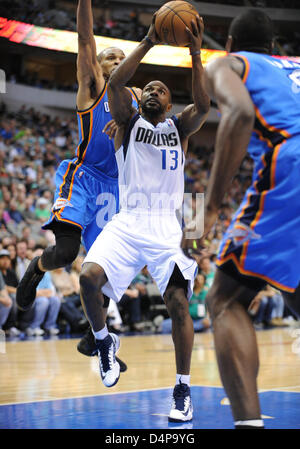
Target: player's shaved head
[109, 50]
[252, 31]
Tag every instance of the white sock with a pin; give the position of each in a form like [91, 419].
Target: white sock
[183, 378]
[100, 335]
[250, 422]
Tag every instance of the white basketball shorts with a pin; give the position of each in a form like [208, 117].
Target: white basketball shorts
[132, 240]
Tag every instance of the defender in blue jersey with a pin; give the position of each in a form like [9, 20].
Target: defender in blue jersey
[259, 100]
[87, 193]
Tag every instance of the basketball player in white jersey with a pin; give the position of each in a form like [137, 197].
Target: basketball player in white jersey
[150, 151]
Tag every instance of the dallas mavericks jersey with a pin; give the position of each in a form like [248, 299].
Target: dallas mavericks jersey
[274, 86]
[95, 150]
[151, 166]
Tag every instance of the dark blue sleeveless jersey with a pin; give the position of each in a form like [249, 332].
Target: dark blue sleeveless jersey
[262, 240]
[274, 86]
[87, 193]
[95, 150]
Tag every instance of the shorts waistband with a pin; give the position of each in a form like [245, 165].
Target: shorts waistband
[149, 212]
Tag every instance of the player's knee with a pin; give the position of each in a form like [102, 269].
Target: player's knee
[92, 277]
[216, 303]
[66, 254]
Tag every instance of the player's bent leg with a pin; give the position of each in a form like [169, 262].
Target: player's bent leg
[68, 239]
[63, 253]
[183, 337]
[92, 279]
[235, 344]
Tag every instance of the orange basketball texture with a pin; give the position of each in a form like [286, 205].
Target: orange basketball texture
[172, 19]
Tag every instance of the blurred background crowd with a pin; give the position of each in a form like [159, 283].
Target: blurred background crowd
[130, 21]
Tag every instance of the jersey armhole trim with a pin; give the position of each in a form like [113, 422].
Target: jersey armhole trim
[246, 65]
[175, 120]
[99, 98]
[134, 95]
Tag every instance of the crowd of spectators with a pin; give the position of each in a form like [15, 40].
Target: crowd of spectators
[261, 3]
[32, 145]
[126, 24]
[50, 13]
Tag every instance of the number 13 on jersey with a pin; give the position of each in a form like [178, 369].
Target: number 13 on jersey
[170, 162]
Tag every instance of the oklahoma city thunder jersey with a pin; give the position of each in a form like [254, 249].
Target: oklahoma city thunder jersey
[87, 193]
[274, 86]
[151, 166]
[262, 240]
[95, 150]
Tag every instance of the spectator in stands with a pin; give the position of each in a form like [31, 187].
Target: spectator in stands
[11, 248]
[28, 212]
[11, 283]
[20, 198]
[5, 302]
[140, 282]
[197, 306]
[114, 319]
[278, 307]
[208, 270]
[42, 210]
[4, 217]
[13, 212]
[130, 308]
[70, 311]
[266, 309]
[22, 260]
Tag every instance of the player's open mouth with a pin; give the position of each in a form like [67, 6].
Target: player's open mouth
[153, 101]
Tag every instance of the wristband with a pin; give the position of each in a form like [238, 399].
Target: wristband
[194, 53]
[147, 39]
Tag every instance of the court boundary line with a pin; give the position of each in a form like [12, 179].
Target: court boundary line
[278, 389]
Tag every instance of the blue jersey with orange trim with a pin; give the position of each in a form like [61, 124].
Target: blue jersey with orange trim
[95, 150]
[274, 86]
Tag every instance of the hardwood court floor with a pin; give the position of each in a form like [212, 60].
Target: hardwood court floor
[42, 370]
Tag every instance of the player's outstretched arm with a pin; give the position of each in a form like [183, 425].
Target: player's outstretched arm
[234, 131]
[119, 97]
[89, 73]
[194, 115]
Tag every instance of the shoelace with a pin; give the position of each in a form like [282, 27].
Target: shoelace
[107, 355]
[180, 396]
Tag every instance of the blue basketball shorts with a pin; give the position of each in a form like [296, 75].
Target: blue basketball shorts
[262, 242]
[83, 200]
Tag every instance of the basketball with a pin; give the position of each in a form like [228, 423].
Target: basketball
[172, 19]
